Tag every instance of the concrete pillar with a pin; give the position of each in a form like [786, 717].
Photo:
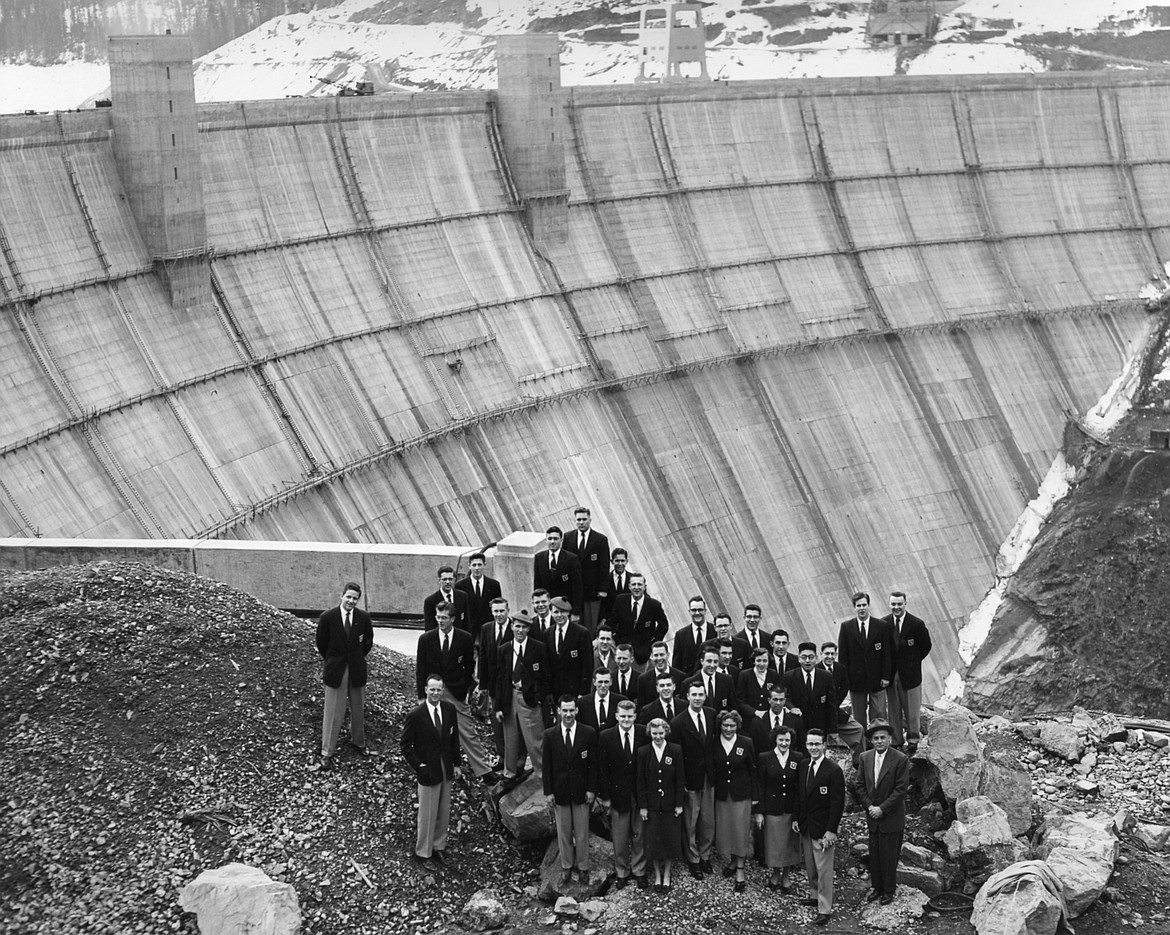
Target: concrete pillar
[531, 109]
[156, 145]
[512, 567]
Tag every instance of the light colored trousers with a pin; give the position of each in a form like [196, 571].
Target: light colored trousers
[699, 824]
[335, 700]
[573, 835]
[905, 705]
[523, 728]
[469, 736]
[818, 864]
[629, 851]
[434, 816]
[866, 707]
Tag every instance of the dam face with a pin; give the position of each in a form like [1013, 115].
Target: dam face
[787, 339]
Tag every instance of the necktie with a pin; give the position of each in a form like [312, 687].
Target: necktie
[347, 625]
[552, 561]
[629, 747]
[669, 711]
[560, 637]
[517, 670]
[755, 643]
[808, 683]
[812, 774]
[478, 589]
[636, 611]
[702, 730]
[568, 740]
[446, 643]
[698, 636]
[438, 722]
[624, 683]
[864, 634]
[775, 720]
[600, 712]
[711, 688]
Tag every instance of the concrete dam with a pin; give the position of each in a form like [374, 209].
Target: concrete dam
[787, 339]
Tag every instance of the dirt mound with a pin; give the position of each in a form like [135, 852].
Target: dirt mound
[155, 724]
[1084, 619]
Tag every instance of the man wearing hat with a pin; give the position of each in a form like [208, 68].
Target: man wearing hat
[883, 778]
[521, 687]
[570, 653]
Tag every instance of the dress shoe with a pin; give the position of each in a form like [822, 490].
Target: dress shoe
[659, 888]
[324, 765]
[621, 883]
[809, 901]
[887, 898]
[696, 870]
[872, 896]
[822, 918]
[583, 876]
[728, 871]
[362, 751]
[492, 778]
[641, 882]
[438, 858]
[419, 859]
[705, 866]
[740, 886]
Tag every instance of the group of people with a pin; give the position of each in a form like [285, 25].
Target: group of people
[712, 745]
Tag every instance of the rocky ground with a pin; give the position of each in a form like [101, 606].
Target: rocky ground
[155, 724]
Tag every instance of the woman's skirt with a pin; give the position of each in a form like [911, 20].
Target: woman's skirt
[733, 827]
[781, 843]
[663, 834]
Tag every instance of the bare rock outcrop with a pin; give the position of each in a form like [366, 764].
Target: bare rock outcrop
[238, 898]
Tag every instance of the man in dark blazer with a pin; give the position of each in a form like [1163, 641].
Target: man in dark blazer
[810, 691]
[625, 679]
[690, 639]
[592, 550]
[695, 731]
[865, 648]
[648, 680]
[619, 581]
[345, 636]
[491, 634]
[430, 744]
[720, 688]
[446, 593]
[481, 591]
[639, 620]
[820, 803]
[570, 653]
[605, 649]
[521, 689]
[666, 705]
[882, 781]
[616, 782]
[760, 728]
[558, 570]
[752, 636]
[450, 653]
[570, 781]
[600, 701]
[781, 659]
[753, 686]
[740, 656]
[848, 729]
[904, 695]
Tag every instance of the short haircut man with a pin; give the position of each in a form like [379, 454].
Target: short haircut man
[345, 636]
[430, 744]
[820, 803]
[570, 782]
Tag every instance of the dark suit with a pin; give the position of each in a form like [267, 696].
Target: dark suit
[723, 698]
[458, 598]
[344, 674]
[819, 806]
[734, 774]
[616, 586]
[660, 785]
[818, 709]
[904, 694]
[479, 608]
[847, 728]
[887, 792]
[519, 696]
[650, 626]
[587, 710]
[751, 695]
[746, 649]
[570, 668]
[790, 662]
[867, 664]
[562, 581]
[648, 685]
[456, 667]
[778, 787]
[569, 775]
[487, 655]
[433, 755]
[655, 708]
[617, 782]
[594, 559]
[610, 663]
[631, 691]
[685, 654]
[699, 807]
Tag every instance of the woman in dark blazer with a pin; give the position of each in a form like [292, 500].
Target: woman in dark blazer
[777, 770]
[754, 684]
[736, 782]
[661, 791]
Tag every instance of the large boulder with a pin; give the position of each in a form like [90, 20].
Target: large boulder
[237, 898]
[1081, 850]
[923, 869]
[1018, 903]
[908, 904]
[526, 812]
[956, 754]
[1065, 740]
[552, 882]
[484, 911]
[1005, 780]
[981, 840]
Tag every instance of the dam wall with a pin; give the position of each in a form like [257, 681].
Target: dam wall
[800, 338]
